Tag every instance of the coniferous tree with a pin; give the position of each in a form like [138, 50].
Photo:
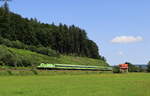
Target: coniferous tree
[62, 38]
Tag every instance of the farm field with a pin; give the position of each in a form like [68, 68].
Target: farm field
[132, 84]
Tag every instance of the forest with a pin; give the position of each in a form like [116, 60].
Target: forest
[64, 39]
[48, 39]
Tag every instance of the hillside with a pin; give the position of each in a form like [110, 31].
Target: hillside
[20, 57]
[65, 39]
[29, 42]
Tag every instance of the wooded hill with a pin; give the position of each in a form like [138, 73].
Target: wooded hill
[31, 34]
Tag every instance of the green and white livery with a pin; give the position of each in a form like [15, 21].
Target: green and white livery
[73, 67]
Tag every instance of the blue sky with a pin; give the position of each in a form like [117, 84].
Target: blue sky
[104, 20]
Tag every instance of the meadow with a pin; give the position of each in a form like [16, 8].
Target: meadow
[131, 84]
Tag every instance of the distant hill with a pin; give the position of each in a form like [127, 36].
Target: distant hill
[144, 66]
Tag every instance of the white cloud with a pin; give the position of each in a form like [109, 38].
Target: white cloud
[127, 39]
[120, 53]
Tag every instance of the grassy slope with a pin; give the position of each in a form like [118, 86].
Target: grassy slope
[62, 60]
[77, 85]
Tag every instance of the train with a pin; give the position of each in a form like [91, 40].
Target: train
[73, 67]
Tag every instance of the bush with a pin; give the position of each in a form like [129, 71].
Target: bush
[7, 42]
[47, 51]
[9, 58]
[39, 49]
[132, 68]
[6, 56]
[148, 67]
[43, 50]
[32, 48]
[2, 63]
[1, 40]
[25, 62]
[18, 44]
[9, 72]
[34, 71]
[116, 69]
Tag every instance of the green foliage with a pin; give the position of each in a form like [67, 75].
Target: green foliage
[62, 38]
[20, 45]
[9, 72]
[116, 69]
[26, 62]
[2, 63]
[46, 51]
[148, 67]
[10, 58]
[6, 42]
[24, 58]
[142, 69]
[132, 68]
[6, 56]
[74, 60]
[34, 71]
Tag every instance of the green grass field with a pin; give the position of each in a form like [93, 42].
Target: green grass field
[133, 84]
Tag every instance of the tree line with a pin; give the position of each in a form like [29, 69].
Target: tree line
[133, 68]
[69, 40]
